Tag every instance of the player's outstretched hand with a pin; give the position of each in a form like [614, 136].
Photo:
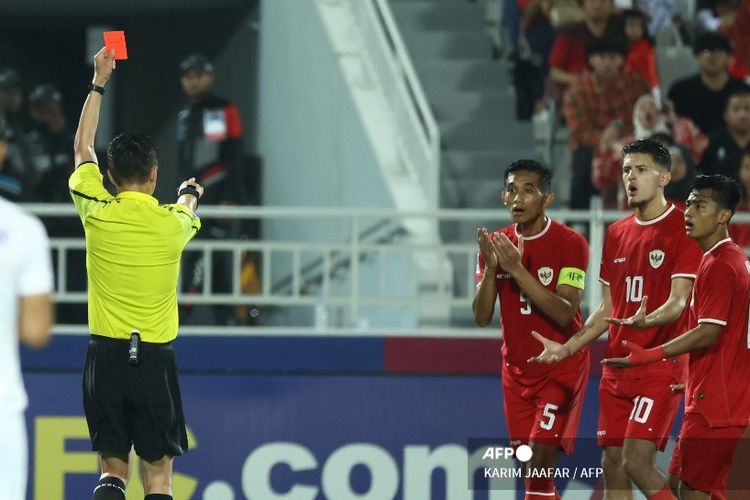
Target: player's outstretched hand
[638, 356]
[638, 320]
[553, 351]
[104, 64]
[677, 387]
[485, 247]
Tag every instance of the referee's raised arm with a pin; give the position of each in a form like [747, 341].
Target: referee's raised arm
[83, 146]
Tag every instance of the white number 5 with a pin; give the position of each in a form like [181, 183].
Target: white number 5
[547, 412]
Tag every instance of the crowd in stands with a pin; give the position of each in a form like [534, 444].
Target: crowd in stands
[36, 148]
[592, 66]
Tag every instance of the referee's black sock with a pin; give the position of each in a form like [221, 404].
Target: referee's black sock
[109, 488]
[157, 496]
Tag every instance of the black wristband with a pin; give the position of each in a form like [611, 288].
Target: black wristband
[96, 88]
[189, 190]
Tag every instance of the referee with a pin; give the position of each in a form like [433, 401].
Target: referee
[133, 246]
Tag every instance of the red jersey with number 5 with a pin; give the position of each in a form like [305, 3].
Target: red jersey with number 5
[640, 259]
[556, 255]
[718, 374]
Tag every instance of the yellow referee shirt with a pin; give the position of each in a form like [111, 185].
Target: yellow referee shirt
[133, 249]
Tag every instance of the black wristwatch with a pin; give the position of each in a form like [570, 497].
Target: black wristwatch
[96, 88]
[189, 190]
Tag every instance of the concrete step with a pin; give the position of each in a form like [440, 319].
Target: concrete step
[458, 15]
[455, 105]
[466, 45]
[461, 74]
[495, 134]
[489, 165]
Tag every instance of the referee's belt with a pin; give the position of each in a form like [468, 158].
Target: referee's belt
[101, 339]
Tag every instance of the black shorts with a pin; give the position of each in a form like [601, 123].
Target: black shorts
[133, 406]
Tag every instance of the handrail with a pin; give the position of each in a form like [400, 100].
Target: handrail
[412, 80]
[366, 262]
[416, 133]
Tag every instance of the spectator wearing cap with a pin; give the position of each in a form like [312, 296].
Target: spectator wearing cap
[209, 147]
[49, 144]
[603, 96]
[703, 97]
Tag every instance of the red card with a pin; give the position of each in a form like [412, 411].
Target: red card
[115, 40]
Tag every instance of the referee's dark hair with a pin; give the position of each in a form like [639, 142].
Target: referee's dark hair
[724, 190]
[131, 157]
[544, 174]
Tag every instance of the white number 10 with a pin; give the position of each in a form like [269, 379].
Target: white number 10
[634, 286]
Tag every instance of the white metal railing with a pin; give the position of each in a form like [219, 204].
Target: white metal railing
[354, 256]
[387, 58]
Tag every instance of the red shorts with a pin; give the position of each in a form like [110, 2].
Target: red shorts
[640, 408]
[674, 462]
[546, 409]
[705, 453]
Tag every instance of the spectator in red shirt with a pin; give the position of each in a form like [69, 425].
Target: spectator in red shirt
[568, 59]
[641, 57]
[596, 99]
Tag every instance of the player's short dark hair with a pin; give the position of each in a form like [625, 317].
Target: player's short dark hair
[724, 190]
[131, 157]
[544, 174]
[654, 149]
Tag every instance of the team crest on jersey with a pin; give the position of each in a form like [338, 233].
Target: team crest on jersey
[656, 258]
[545, 275]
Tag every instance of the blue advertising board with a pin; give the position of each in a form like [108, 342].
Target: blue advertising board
[292, 433]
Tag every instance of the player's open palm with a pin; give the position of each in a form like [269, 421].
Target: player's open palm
[508, 255]
[637, 320]
[485, 247]
[553, 351]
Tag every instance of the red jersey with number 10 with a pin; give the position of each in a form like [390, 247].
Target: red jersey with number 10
[718, 374]
[640, 259]
[550, 256]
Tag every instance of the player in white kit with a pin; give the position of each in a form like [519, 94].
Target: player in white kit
[26, 314]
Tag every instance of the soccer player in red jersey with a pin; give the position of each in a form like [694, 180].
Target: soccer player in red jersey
[717, 408]
[647, 258]
[537, 268]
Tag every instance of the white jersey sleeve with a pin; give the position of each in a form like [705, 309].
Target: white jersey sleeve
[35, 275]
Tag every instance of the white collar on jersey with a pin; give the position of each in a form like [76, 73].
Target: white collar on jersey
[716, 245]
[537, 235]
[653, 221]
